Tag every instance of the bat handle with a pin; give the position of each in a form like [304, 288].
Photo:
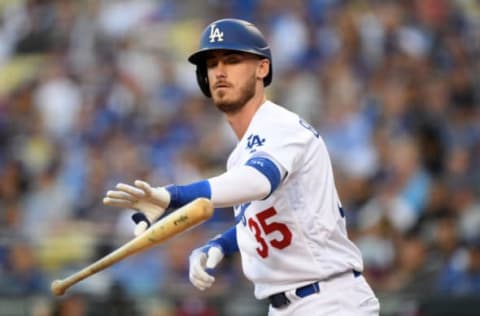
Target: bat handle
[59, 287]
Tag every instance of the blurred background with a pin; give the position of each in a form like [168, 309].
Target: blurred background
[98, 92]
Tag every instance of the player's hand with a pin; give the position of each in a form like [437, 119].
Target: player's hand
[149, 201]
[201, 260]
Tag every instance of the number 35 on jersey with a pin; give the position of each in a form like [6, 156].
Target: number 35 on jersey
[268, 233]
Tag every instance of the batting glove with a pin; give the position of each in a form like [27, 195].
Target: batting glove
[149, 201]
[201, 261]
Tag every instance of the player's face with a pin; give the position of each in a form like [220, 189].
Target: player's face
[233, 78]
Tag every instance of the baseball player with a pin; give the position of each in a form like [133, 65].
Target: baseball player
[290, 226]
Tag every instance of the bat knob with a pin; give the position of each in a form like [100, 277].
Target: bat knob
[57, 288]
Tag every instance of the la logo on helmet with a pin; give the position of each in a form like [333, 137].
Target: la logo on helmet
[215, 34]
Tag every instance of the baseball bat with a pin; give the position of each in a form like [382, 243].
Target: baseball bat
[184, 218]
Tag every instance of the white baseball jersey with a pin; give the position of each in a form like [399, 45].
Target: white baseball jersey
[297, 235]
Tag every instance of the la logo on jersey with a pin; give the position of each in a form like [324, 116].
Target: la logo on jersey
[215, 34]
[254, 141]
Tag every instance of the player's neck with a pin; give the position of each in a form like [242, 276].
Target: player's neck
[239, 121]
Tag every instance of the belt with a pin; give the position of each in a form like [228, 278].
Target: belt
[280, 300]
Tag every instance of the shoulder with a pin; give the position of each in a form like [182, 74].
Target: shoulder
[269, 107]
[274, 125]
[273, 116]
[279, 120]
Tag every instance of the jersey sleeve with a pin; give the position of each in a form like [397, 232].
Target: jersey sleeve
[239, 185]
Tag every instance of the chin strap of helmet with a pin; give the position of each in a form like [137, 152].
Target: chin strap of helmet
[202, 80]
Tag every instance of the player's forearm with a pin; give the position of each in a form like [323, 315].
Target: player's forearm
[255, 180]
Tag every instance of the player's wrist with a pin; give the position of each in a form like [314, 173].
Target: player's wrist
[226, 242]
[162, 196]
[180, 195]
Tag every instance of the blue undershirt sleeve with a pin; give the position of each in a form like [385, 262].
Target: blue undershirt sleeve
[227, 241]
[184, 194]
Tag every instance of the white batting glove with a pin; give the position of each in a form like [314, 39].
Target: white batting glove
[149, 201]
[201, 260]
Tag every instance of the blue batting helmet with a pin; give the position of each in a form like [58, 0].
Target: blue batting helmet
[229, 34]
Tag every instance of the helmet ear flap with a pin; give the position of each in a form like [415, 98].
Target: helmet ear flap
[202, 80]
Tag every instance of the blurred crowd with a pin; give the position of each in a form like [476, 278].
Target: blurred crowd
[93, 93]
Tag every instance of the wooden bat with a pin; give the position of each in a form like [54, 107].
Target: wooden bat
[171, 225]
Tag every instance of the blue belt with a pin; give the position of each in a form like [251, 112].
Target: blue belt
[280, 300]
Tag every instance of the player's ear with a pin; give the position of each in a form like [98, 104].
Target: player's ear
[263, 68]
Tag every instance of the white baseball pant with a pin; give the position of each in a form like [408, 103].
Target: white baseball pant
[345, 295]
